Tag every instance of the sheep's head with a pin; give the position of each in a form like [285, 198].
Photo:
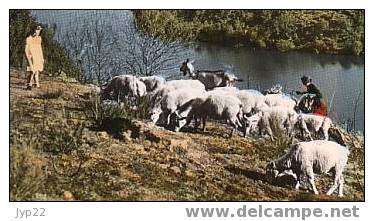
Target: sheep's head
[271, 172]
[177, 122]
[155, 114]
[251, 123]
[187, 68]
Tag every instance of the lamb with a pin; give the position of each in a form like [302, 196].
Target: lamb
[280, 100]
[153, 82]
[124, 86]
[218, 107]
[170, 102]
[316, 123]
[313, 157]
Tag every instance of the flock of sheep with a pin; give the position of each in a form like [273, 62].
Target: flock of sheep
[176, 103]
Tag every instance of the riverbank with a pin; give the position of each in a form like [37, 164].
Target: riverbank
[317, 31]
[56, 153]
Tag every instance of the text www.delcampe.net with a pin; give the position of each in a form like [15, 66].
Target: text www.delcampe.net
[266, 212]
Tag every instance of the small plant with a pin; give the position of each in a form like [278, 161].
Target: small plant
[273, 148]
[62, 136]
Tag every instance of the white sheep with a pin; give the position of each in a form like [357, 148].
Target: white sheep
[184, 114]
[218, 107]
[153, 82]
[313, 157]
[171, 101]
[315, 123]
[169, 86]
[124, 86]
[283, 116]
[280, 100]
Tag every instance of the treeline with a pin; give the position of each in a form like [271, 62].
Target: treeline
[57, 59]
[319, 31]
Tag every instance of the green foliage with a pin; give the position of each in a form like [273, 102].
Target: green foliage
[57, 59]
[327, 31]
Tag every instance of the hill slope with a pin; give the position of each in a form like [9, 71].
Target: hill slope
[56, 154]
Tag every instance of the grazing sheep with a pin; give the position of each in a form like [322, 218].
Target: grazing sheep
[124, 86]
[185, 113]
[219, 107]
[280, 100]
[152, 82]
[251, 101]
[156, 96]
[171, 101]
[315, 123]
[313, 157]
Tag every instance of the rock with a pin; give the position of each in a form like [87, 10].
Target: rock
[68, 196]
[175, 169]
[346, 139]
[126, 135]
[102, 135]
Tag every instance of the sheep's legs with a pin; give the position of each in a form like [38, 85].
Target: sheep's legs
[204, 123]
[311, 180]
[326, 134]
[341, 184]
[337, 183]
[298, 179]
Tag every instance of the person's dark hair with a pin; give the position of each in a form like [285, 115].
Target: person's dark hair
[32, 29]
[306, 79]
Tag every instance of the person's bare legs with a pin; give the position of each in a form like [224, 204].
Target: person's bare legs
[36, 80]
[31, 80]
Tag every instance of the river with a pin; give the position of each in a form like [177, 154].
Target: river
[340, 77]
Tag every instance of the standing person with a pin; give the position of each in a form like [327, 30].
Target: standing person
[34, 55]
[319, 105]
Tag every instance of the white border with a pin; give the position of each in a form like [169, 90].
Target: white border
[166, 211]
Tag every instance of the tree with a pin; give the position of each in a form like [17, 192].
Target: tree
[146, 54]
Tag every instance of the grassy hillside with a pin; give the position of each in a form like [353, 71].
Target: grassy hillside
[319, 31]
[58, 153]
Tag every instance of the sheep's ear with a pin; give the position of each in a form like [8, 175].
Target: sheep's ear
[191, 62]
[187, 60]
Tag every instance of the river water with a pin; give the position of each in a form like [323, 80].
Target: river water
[340, 78]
